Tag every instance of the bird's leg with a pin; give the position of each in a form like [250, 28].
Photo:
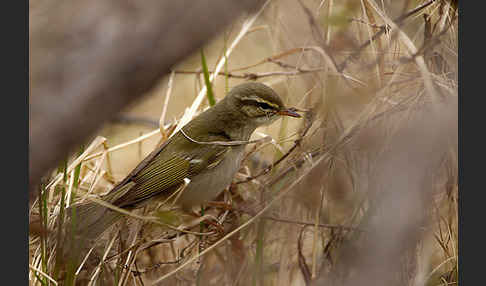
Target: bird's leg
[219, 228]
[209, 219]
[227, 206]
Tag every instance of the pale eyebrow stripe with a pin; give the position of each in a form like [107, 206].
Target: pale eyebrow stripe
[256, 100]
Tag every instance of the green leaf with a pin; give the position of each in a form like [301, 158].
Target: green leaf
[77, 170]
[40, 279]
[209, 87]
[168, 217]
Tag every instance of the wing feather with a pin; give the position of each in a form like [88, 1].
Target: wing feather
[165, 171]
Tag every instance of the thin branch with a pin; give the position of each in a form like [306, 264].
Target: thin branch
[273, 59]
[429, 43]
[154, 220]
[322, 225]
[304, 268]
[309, 116]
[316, 29]
[32, 268]
[157, 265]
[385, 28]
[226, 143]
[329, 151]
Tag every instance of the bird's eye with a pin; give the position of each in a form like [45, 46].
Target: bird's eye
[264, 105]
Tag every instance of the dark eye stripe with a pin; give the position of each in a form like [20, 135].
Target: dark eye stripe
[263, 105]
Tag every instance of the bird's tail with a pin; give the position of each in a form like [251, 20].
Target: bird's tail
[90, 220]
[85, 223]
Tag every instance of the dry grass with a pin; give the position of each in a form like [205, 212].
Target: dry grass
[293, 222]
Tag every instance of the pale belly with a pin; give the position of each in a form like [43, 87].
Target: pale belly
[208, 185]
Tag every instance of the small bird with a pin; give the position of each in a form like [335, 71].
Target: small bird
[189, 156]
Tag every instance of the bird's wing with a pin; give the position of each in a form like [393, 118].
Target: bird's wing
[166, 169]
[140, 167]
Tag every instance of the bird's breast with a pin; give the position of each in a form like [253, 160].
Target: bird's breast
[207, 185]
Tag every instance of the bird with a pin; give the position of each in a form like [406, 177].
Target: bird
[196, 157]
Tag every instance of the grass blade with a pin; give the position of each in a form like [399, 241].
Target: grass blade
[209, 88]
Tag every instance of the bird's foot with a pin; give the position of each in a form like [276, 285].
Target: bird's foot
[210, 220]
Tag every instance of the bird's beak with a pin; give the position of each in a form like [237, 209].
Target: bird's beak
[289, 112]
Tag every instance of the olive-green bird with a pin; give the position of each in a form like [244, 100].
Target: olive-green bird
[209, 167]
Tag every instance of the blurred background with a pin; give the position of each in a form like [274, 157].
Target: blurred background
[366, 193]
